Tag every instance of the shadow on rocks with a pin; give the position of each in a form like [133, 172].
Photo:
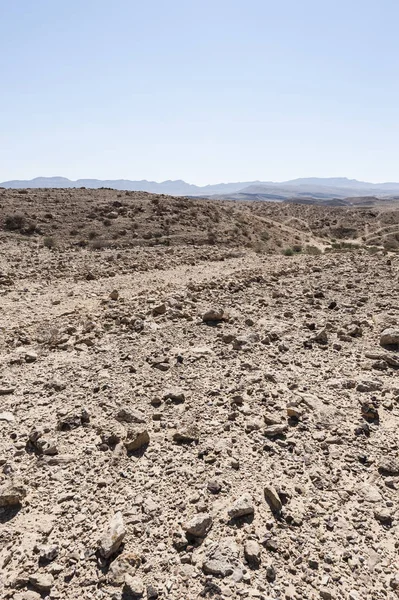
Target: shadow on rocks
[8, 513]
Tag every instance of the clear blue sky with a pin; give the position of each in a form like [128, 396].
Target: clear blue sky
[201, 90]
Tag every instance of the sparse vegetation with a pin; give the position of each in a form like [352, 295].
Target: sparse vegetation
[49, 242]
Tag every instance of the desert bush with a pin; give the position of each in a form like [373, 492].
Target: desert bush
[99, 244]
[265, 236]
[92, 235]
[312, 250]
[49, 242]
[288, 252]
[297, 248]
[14, 222]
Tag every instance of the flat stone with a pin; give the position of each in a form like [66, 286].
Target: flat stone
[7, 416]
[275, 430]
[43, 582]
[130, 415]
[5, 391]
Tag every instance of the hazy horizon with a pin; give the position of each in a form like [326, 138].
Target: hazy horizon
[204, 92]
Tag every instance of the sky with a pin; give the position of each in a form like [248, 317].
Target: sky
[201, 90]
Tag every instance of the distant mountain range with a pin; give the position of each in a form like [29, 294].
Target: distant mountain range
[312, 187]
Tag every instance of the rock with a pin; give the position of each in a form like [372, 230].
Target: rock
[42, 445]
[12, 494]
[114, 295]
[133, 588]
[383, 515]
[160, 309]
[47, 552]
[213, 315]
[218, 565]
[242, 507]
[113, 536]
[389, 466]
[369, 385]
[390, 337]
[214, 487]
[186, 435]
[152, 592]
[27, 595]
[369, 410]
[252, 552]
[394, 582]
[222, 559]
[198, 526]
[5, 391]
[370, 493]
[136, 438]
[30, 356]
[130, 415]
[73, 419]
[7, 416]
[60, 459]
[43, 582]
[275, 430]
[273, 499]
[124, 564]
[176, 395]
[245, 340]
[321, 337]
[326, 594]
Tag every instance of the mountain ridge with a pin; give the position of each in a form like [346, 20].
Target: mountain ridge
[316, 187]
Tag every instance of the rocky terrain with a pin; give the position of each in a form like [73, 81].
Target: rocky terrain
[189, 415]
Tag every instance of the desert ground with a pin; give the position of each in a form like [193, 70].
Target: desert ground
[198, 398]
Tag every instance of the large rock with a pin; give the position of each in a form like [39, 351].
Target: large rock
[198, 526]
[124, 564]
[213, 315]
[222, 560]
[136, 439]
[43, 582]
[113, 536]
[186, 435]
[242, 507]
[390, 337]
[133, 588]
[252, 552]
[12, 494]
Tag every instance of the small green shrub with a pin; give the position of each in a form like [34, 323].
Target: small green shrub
[49, 242]
[288, 252]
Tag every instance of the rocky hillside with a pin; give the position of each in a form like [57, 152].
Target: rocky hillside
[194, 421]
